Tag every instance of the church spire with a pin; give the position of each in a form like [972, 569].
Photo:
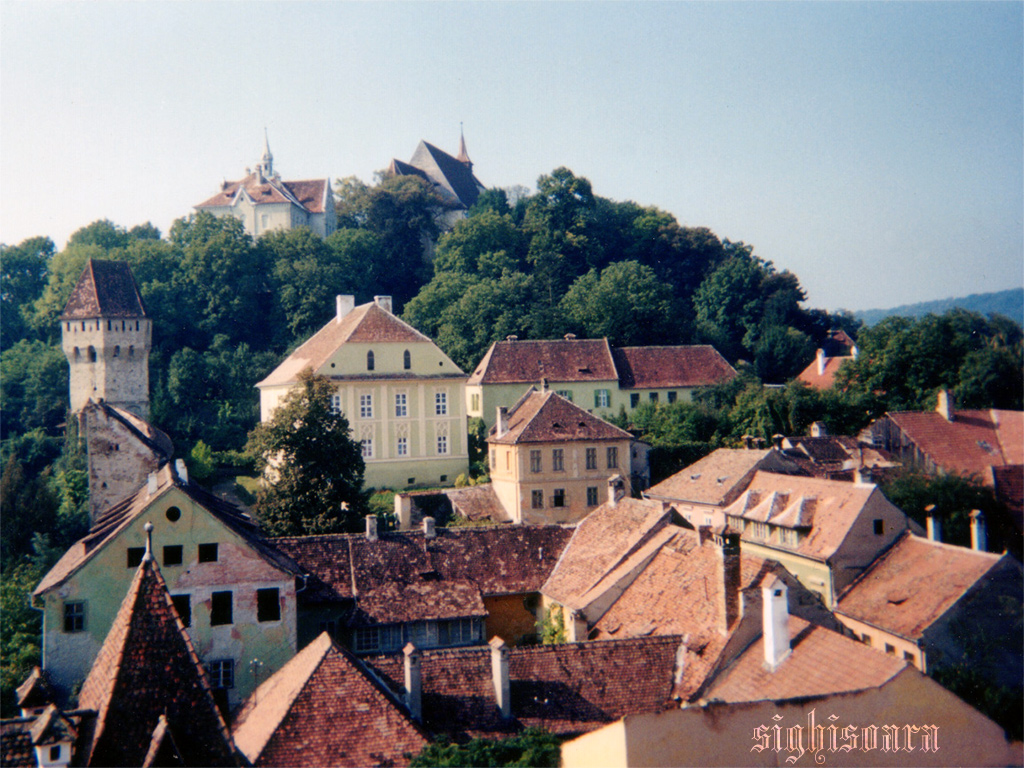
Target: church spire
[463, 156]
[267, 161]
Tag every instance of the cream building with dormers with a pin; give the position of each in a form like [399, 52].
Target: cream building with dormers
[552, 462]
[403, 397]
[264, 202]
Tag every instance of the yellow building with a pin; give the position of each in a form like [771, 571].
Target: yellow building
[403, 397]
[551, 461]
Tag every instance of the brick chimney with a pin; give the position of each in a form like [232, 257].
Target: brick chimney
[384, 302]
[501, 424]
[413, 681]
[775, 623]
[343, 305]
[727, 555]
[429, 531]
[979, 540]
[944, 404]
[499, 674]
[371, 527]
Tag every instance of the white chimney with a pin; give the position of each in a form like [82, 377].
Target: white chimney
[944, 405]
[502, 421]
[978, 538]
[343, 305]
[181, 470]
[616, 489]
[821, 362]
[413, 681]
[499, 673]
[934, 525]
[854, 351]
[371, 527]
[151, 483]
[384, 302]
[428, 528]
[775, 623]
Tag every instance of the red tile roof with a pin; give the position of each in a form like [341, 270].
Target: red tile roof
[603, 540]
[367, 323]
[35, 691]
[16, 750]
[105, 289]
[545, 417]
[568, 689]
[968, 445]
[405, 577]
[110, 524]
[667, 367]
[147, 667]
[309, 195]
[827, 378]
[564, 360]
[822, 662]
[323, 708]
[720, 477]
[914, 584]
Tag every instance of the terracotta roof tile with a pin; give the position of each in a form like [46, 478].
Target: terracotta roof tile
[720, 477]
[16, 748]
[666, 367]
[478, 502]
[568, 689]
[405, 577]
[827, 378]
[323, 708]
[367, 323]
[147, 667]
[563, 360]
[105, 289]
[35, 691]
[542, 417]
[913, 584]
[307, 194]
[602, 540]
[822, 662]
[968, 445]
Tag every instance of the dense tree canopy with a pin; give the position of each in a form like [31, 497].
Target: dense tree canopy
[315, 468]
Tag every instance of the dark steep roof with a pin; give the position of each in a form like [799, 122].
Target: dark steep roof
[105, 289]
[453, 176]
[147, 667]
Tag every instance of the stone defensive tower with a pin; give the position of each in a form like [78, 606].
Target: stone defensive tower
[106, 337]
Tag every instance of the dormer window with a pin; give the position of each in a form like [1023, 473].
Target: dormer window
[369, 360]
[406, 360]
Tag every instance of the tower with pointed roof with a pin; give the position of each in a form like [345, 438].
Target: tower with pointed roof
[450, 177]
[106, 337]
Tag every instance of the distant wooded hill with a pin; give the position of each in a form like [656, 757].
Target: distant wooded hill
[1007, 303]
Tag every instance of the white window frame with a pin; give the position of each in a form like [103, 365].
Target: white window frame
[440, 403]
[336, 403]
[402, 445]
[602, 398]
[366, 406]
[401, 405]
[366, 447]
[442, 445]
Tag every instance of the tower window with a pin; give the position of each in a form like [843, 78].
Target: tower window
[92, 354]
[407, 360]
[78, 353]
[369, 360]
[108, 326]
[131, 350]
[220, 608]
[117, 350]
[136, 325]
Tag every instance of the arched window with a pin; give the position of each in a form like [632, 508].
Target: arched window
[369, 360]
[407, 360]
[92, 354]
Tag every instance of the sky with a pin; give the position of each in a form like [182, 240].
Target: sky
[874, 149]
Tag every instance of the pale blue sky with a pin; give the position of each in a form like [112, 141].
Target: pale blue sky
[874, 149]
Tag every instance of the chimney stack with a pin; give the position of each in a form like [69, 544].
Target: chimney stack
[616, 489]
[727, 551]
[821, 362]
[775, 623]
[151, 484]
[818, 429]
[499, 673]
[428, 528]
[933, 523]
[979, 540]
[502, 422]
[777, 441]
[384, 302]
[371, 527]
[181, 470]
[854, 351]
[944, 405]
[343, 305]
[413, 681]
